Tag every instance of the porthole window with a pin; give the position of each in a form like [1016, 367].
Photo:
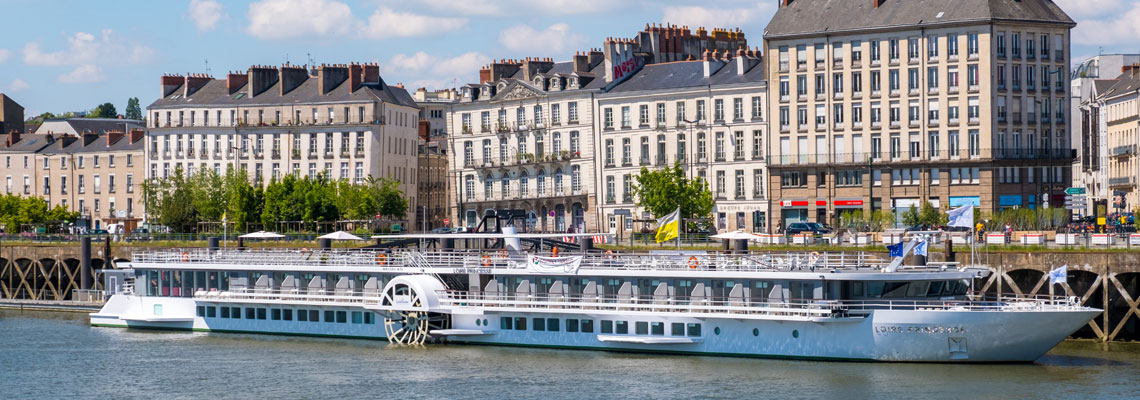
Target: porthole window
[716, 330]
[484, 322]
[796, 333]
[755, 332]
[478, 322]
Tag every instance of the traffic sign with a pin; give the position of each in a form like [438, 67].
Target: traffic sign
[1075, 190]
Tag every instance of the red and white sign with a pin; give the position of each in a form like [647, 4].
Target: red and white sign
[848, 203]
[793, 203]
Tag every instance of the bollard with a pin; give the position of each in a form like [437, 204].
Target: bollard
[85, 263]
[326, 244]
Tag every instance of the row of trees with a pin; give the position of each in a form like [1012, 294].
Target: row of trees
[181, 201]
[105, 110]
[17, 212]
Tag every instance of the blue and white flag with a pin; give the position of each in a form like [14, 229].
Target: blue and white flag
[896, 250]
[920, 248]
[962, 216]
[1059, 275]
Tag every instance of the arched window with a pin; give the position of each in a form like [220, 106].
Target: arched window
[540, 182]
[558, 182]
[524, 186]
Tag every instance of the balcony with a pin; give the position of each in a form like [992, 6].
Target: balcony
[1122, 181]
[610, 199]
[644, 160]
[720, 156]
[1125, 150]
[757, 194]
[660, 160]
[861, 159]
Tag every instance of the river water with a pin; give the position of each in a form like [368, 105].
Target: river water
[54, 355]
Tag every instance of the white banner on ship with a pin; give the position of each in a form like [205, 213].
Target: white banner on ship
[553, 265]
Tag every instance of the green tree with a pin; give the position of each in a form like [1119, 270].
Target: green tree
[928, 215]
[389, 198]
[105, 110]
[662, 191]
[910, 217]
[133, 109]
[171, 201]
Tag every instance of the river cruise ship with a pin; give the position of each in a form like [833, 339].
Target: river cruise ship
[827, 306]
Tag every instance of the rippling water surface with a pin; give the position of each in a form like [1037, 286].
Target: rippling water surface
[52, 355]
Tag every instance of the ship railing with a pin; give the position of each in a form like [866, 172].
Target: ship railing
[738, 305]
[331, 296]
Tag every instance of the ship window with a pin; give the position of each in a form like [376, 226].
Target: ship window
[505, 323]
[303, 315]
[678, 329]
[552, 324]
[571, 325]
[275, 314]
[314, 316]
[657, 328]
[874, 290]
[935, 288]
[540, 324]
[250, 313]
[201, 311]
[225, 312]
[330, 316]
[287, 314]
[694, 330]
[520, 323]
[587, 326]
[917, 289]
[621, 327]
[260, 313]
[895, 290]
[235, 312]
[641, 327]
[357, 317]
[211, 312]
[341, 317]
[369, 318]
[856, 290]
[607, 326]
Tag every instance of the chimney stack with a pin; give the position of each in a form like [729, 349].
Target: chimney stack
[291, 77]
[330, 76]
[170, 83]
[136, 135]
[113, 136]
[355, 74]
[371, 74]
[261, 78]
[195, 82]
[235, 80]
[13, 138]
[877, 2]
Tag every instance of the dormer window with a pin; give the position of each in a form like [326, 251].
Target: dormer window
[538, 82]
[486, 91]
[573, 82]
[501, 87]
[554, 83]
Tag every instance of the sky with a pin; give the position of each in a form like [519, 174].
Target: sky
[70, 55]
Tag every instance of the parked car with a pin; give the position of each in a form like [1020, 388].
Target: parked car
[441, 230]
[813, 228]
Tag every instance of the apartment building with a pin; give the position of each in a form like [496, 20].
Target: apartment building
[1089, 79]
[340, 120]
[1120, 103]
[97, 175]
[886, 104]
[708, 115]
[19, 154]
[434, 192]
[525, 139]
[434, 106]
[11, 115]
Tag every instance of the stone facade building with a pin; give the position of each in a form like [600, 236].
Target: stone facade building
[340, 120]
[1089, 79]
[11, 115]
[1120, 103]
[99, 176]
[886, 104]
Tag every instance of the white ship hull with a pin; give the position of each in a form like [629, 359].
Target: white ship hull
[883, 335]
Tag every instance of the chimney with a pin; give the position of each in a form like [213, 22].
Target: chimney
[136, 134]
[424, 129]
[371, 74]
[291, 77]
[534, 66]
[170, 83]
[596, 57]
[195, 82]
[785, 3]
[13, 138]
[581, 63]
[355, 74]
[261, 78]
[235, 81]
[498, 69]
[712, 63]
[113, 136]
[330, 76]
[877, 2]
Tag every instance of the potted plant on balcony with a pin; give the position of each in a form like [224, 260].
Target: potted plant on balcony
[565, 154]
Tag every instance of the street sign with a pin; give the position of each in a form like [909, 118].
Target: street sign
[1075, 190]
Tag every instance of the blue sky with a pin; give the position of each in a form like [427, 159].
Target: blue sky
[69, 55]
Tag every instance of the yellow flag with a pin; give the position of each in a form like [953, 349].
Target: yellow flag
[668, 227]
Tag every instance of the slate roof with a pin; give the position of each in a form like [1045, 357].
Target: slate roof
[96, 125]
[682, 74]
[93, 144]
[215, 93]
[818, 16]
[27, 144]
[1124, 84]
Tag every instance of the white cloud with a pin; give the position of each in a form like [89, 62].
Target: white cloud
[282, 19]
[1117, 29]
[1090, 8]
[425, 70]
[85, 73]
[4, 54]
[697, 16]
[205, 14]
[386, 23]
[502, 8]
[86, 48]
[555, 39]
[278, 19]
[18, 85]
